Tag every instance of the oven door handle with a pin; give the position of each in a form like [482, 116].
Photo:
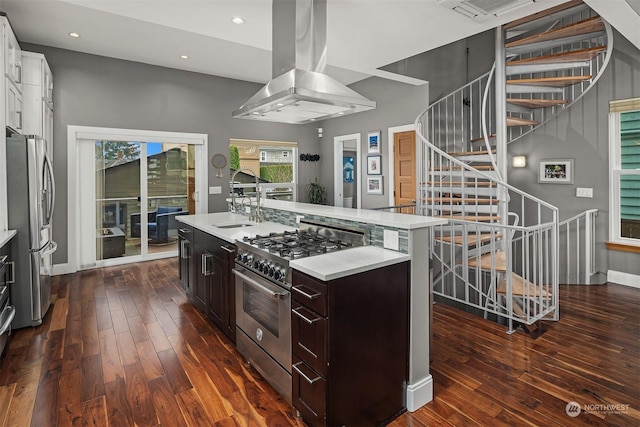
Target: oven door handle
[263, 289]
[7, 323]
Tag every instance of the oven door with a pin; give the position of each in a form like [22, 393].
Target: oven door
[263, 312]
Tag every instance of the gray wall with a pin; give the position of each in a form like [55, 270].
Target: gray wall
[581, 133]
[98, 91]
[397, 104]
[451, 66]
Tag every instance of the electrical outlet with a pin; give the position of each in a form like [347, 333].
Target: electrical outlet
[215, 190]
[390, 239]
[247, 209]
[298, 218]
[584, 192]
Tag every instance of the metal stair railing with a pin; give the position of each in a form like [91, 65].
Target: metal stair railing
[529, 250]
[572, 93]
[578, 247]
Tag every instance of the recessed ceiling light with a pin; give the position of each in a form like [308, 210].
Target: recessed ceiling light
[184, 56]
[237, 20]
[74, 35]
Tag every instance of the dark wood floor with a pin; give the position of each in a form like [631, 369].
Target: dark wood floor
[123, 347]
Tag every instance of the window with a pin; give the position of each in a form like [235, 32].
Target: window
[272, 161]
[624, 167]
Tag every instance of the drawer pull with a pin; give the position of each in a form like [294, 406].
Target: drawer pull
[303, 375]
[303, 317]
[299, 290]
[231, 250]
[185, 230]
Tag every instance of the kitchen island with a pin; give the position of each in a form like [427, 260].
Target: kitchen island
[390, 239]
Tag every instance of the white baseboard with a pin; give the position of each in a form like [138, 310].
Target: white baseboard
[58, 269]
[419, 394]
[622, 278]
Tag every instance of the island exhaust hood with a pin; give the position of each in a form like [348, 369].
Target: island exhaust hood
[300, 91]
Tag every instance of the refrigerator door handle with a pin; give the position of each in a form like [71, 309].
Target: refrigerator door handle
[53, 246]
[51, 199]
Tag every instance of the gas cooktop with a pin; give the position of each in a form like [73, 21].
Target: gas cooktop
[270, 254]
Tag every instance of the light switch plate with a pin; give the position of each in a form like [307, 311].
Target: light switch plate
[215, 190]
[390, 239]
[584, 192]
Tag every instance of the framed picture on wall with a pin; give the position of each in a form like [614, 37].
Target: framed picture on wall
[374, 185]
[374, 165]
[373, 142]
[556, 171]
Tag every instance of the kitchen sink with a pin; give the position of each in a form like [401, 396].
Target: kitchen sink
[234, 224]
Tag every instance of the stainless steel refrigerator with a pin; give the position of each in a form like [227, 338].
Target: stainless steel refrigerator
[31, 194]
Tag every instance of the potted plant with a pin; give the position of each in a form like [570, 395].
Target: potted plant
[317, 193]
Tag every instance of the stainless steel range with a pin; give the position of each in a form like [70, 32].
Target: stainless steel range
[263, 298]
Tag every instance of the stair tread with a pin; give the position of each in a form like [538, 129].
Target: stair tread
[519, 288]
[576, 55]
[457, 168]
[466, 200]
[550, 81]
[472, 240]
[536, 103]
[471, 184]
[499, 261]
[536, 16]
[493, 135]
[517, 121]
[586, 26]
[471, 153]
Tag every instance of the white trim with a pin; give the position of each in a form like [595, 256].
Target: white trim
[338, 148]
[419, 393]
[59, 269]
[615, 172]
[390, 144]
[622, 278]
[74, 133]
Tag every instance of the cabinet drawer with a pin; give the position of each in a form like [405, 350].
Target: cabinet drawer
[309, 337]
[309, 292]
[309, 394]
[185, 231]
[213, 244]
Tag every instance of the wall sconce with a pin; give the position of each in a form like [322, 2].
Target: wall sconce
[519, 161]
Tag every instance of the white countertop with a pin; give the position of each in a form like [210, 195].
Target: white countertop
[346, 262]
[388, 219]
[205, 222]
[6, 235]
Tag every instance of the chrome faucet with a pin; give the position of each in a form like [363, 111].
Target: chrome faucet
[258, 214]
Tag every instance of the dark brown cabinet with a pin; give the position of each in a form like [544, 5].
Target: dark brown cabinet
[350, 343]
[205, 275]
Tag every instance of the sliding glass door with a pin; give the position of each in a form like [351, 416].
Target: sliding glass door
[130, 196]
[124, 185]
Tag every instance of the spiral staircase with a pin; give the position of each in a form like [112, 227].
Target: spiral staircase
[498, 253]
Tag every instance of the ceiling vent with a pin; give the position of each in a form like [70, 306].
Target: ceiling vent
[300, 91]
[481, 10]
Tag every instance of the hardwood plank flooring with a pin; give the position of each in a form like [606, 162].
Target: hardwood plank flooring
[122, 346]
